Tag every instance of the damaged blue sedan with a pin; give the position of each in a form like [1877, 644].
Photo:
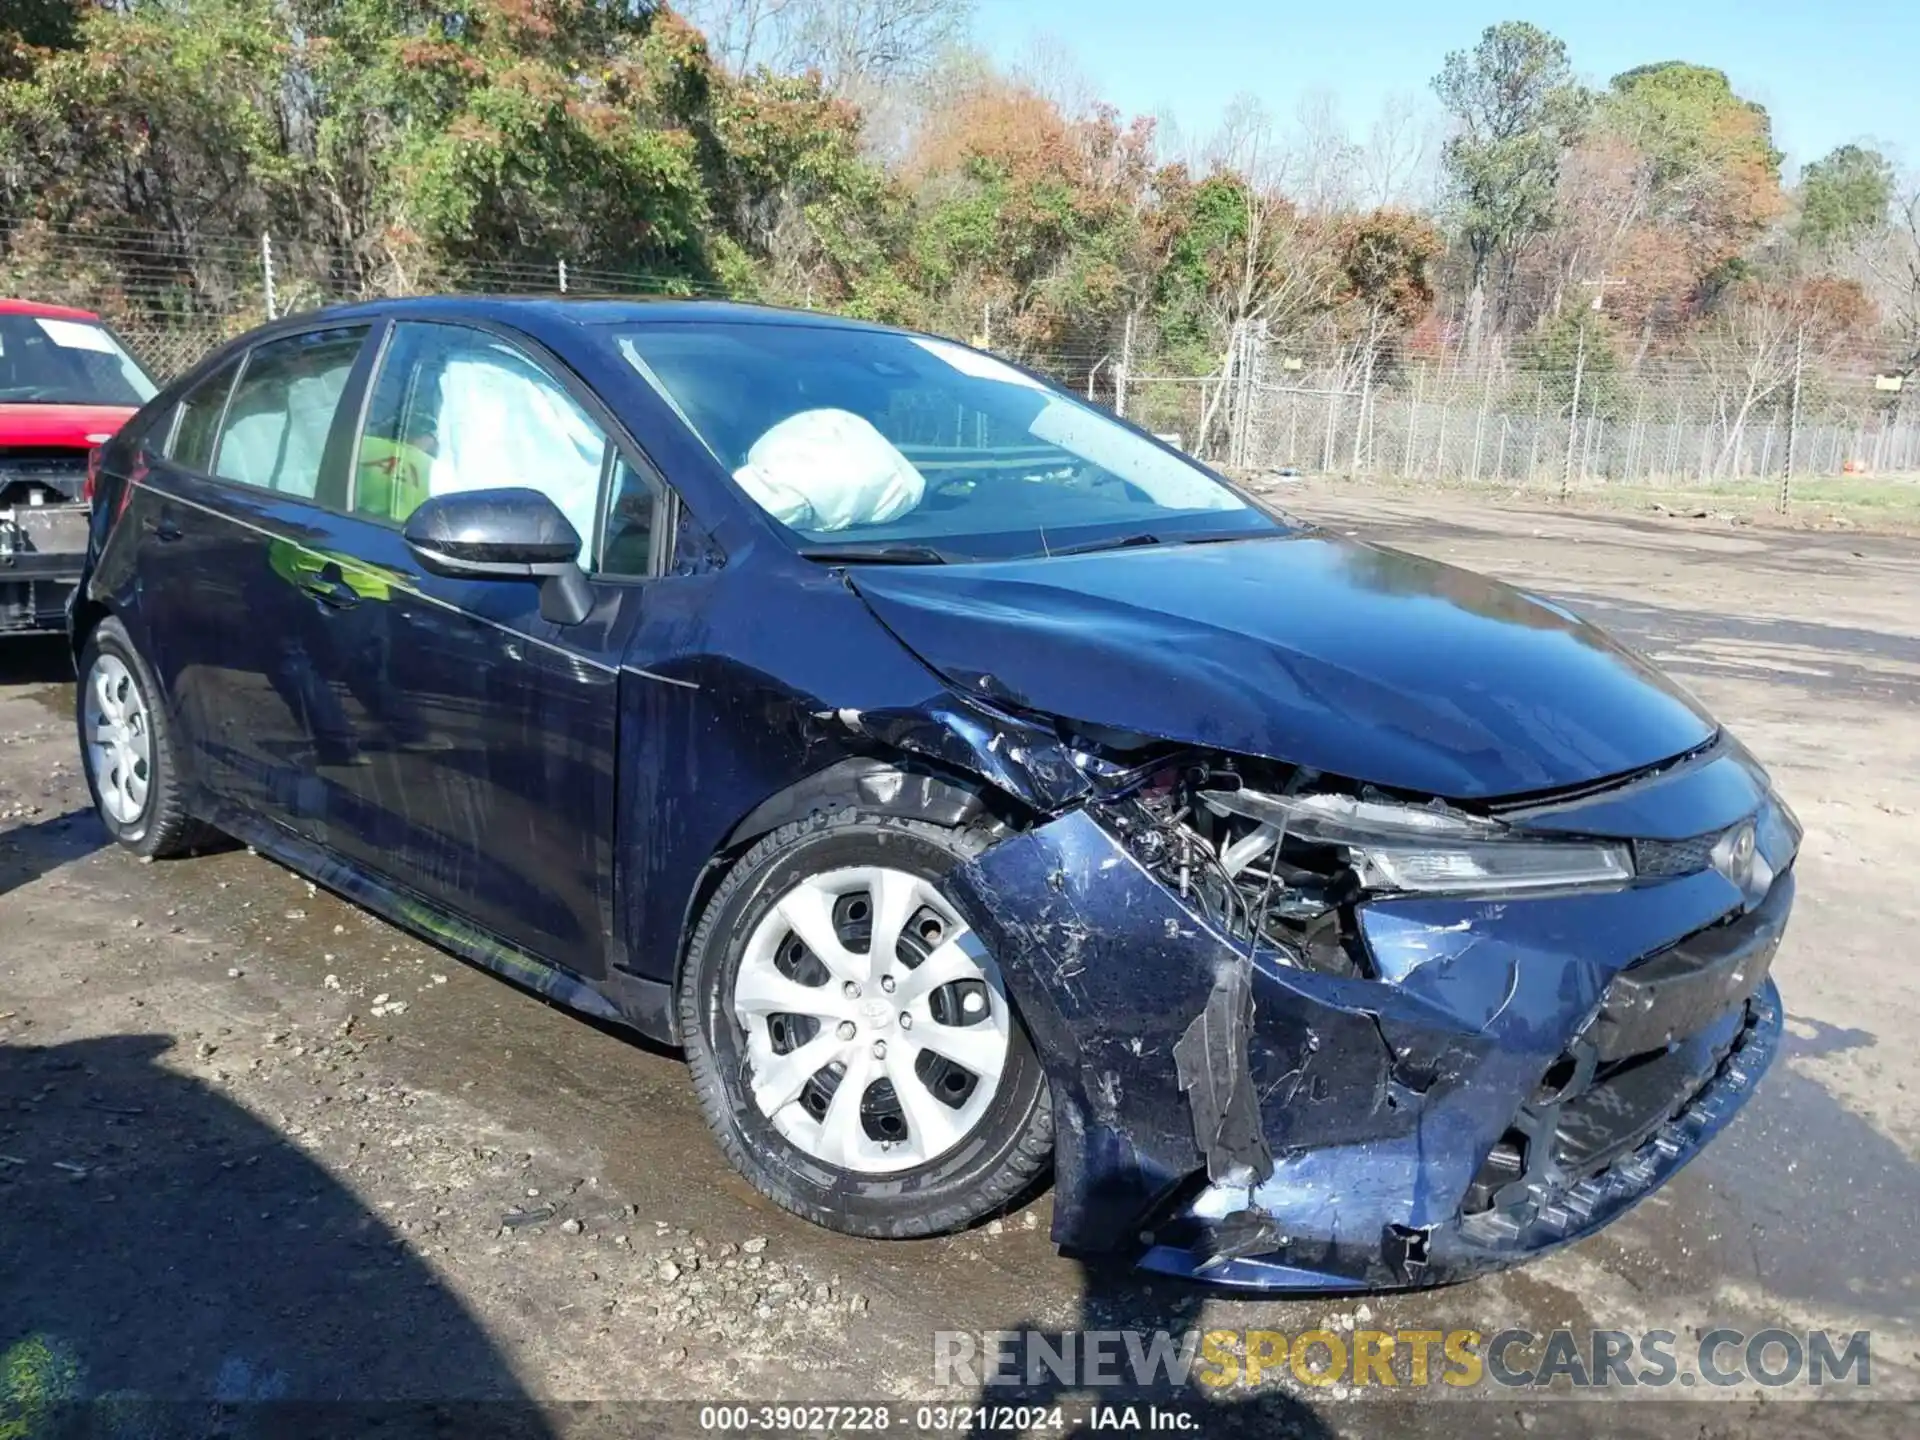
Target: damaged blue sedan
[976, 788]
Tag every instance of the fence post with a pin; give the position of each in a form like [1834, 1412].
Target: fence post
[266, 269]
[1332, 426]
[1480, 428]
[1413, 424]
[1366, 398]
[563, 276]
[1539, 419]
[1240, 422]
[1573, 420]
[1126, 368]
[1793, 420]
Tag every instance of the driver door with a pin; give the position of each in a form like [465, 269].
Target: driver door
[482, 768]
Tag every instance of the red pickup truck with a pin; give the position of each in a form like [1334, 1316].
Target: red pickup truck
[66, 384]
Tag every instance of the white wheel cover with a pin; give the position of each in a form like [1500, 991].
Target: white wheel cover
[874, 1018]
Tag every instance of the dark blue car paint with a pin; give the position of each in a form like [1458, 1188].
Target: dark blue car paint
[1308, 649]
[578, 790]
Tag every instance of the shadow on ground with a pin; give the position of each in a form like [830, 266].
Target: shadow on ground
[35, 660]
[1116, 1298]
[169, 1265]
[29, 851]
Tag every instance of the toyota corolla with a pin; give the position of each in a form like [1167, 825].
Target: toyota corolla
[979, 790]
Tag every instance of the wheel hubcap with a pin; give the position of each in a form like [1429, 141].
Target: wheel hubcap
[119, 739]
[876, 1023]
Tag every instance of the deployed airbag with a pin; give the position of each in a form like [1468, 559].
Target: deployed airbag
[829, 469]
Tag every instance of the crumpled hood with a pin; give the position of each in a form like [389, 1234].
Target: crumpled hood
[1306, 648]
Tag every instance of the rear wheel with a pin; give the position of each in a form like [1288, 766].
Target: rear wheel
[851, 1038]
[128, 744]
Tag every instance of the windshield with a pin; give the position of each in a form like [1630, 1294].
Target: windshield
[873, 444]
[45, 360]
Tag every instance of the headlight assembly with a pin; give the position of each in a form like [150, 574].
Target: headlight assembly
[1422, 850]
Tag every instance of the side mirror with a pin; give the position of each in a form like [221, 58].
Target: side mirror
[511, 534]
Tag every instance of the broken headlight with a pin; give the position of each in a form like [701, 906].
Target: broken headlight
[1403, 848]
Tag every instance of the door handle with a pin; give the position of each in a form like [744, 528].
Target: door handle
[330, 588]
[165, 527]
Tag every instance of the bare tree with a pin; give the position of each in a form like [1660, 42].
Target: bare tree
[1052, 70]
[1759, 340]
[1397, 165]
[744, 33]
[1281, 276]
[851, 43]
[854, 41]
[1888, 264]
[1323, 161]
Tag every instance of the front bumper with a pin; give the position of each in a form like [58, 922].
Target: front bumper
[1517, 1074]
[42, 551]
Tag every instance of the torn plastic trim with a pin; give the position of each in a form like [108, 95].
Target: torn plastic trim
[1418, 1256]
[1210, 1060]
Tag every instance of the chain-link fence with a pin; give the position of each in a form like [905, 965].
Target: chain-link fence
[1720, 419]
[1709, 415]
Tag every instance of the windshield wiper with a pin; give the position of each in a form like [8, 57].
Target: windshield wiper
[1111, 542]
[874, 552]
[1176, 537]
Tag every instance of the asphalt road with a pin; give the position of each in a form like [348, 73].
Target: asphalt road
[257, 1146]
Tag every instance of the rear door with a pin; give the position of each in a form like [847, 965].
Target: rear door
[236, 595]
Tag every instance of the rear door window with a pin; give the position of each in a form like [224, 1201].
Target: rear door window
[456, 409]
[197, 419]
[282, 411]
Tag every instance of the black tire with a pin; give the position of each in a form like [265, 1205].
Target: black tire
[163, 827]
[1000, 1159]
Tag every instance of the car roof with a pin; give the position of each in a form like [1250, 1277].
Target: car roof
[594, 310]
[51, 312]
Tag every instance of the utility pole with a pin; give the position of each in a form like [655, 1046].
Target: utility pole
[1573, 420]
[1793, 418]
[266, 268]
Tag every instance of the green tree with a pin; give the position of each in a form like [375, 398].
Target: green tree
[1844, 195]
[53, 24]
[1688, 119]
[1516, 109]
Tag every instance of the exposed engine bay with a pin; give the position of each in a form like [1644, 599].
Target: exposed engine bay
[1199, 827]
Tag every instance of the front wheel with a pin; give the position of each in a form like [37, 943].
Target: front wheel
[851, 1039]
[128, 743]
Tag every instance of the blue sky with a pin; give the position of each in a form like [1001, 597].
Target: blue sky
[1828, 71]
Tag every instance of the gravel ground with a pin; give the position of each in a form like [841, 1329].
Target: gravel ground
[256, 1145]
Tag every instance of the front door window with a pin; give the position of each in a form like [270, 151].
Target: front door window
[457, 409]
